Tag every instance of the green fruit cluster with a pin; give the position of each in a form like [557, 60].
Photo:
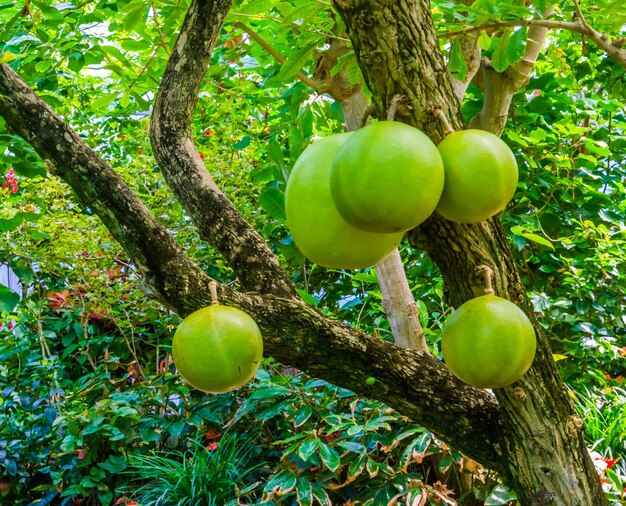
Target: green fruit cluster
[350, 197]
[217, 348]
[488, 342]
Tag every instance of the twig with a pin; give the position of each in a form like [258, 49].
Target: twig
[158, 27]
[393, 107]
[487, 274]
[275, 54]
[614, 50]
[443, 119]
[580, 15]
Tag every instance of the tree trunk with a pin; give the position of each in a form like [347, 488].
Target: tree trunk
[543, 454]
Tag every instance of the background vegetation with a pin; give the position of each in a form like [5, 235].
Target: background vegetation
[91, 411]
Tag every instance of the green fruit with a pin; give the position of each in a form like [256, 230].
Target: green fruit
[217, 348]
[488, 342]
[481, 176]
[387, 177]
[322, 235]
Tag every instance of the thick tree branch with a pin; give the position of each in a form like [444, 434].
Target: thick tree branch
[418, 385]
[215, 216]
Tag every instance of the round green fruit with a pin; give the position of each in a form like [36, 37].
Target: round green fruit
[387, 177]
[488, 342]
[217, 348]
[318, 229]
[481, 176]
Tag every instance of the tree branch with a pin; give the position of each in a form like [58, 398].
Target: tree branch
[415, 384]
[499, 88]
[277, 56]
[613, 49]
[217, 220]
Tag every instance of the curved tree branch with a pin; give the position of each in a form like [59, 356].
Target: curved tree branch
[614, 50]
[277, 56]
[217, 220]
[416, 384]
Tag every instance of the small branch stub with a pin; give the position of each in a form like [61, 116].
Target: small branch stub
[443, 119]
[393, 107]
[213, 288]
[487, 273]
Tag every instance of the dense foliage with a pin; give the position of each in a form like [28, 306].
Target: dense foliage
[91, 411]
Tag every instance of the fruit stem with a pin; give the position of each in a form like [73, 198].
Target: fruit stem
[487, 275]
[437, 111]
[393, 107]
[213, 289]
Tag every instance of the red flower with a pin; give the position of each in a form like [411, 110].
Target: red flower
[212, 446]
[207, 132]
[610, 463]
[10, 181]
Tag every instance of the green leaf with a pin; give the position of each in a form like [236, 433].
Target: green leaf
[272, 200]
[114, 464]
[6, 225]
[49, 12]
[484, 40]
[136, 16]
[538, 239]
[296, 61]
[256, 7]
[500, 496]
[308, 448]
[270, 392]
[458, 65]
[329, 456]
[357, 466]
[499, 59]
[8, 299]
[303, 415]
[243, 143]
[510, 49]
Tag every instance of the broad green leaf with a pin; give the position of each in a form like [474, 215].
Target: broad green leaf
[458, 65]
[308, 448]
[49, 12]
[538, 239]
[243, 143]
[357, 466]
[114, 464]
[272, 200]
[303, 415]
[329, 456]
[484, 40]
[510, 49]
[255, 7]
[295, 61]
[8, 299]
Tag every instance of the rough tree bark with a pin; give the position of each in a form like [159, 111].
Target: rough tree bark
[530, 434]
[543, 449]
